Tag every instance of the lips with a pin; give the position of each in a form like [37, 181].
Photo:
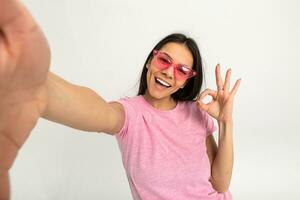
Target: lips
[162, 82]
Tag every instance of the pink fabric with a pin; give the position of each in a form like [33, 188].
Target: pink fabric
[164, 152]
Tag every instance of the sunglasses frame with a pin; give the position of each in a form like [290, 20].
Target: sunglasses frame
[176, 67]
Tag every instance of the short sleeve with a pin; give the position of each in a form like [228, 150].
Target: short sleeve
[210, 125]
[128, 115]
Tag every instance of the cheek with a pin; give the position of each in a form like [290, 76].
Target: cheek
[148, 76]
[179, 83]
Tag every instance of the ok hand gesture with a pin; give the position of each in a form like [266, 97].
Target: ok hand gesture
[221, 105]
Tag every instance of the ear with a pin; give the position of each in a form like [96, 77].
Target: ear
[149, 62]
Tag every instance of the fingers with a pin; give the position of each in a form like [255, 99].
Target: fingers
[15, 19]
[210, 92]
[203, 95]
[218, 77]
[2, 45]
[7, 10]
[227, 81]
[235, 87]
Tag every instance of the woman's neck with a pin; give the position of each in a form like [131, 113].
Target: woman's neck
[167, 103]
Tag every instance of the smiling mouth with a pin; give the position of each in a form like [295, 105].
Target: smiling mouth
[161, 82]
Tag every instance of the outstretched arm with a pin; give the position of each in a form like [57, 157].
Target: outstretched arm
[80, 107]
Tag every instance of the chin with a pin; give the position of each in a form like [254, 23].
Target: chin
[157, 91]
[157, 94]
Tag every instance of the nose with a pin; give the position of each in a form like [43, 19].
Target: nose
[169, 72]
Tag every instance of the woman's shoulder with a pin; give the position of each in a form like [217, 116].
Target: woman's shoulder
[132, 103]
[130, 99]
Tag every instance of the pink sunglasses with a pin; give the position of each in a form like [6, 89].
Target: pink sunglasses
[163, 61]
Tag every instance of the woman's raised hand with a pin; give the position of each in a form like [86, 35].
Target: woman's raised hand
[24, 65]
[24, 51]
[221, 105]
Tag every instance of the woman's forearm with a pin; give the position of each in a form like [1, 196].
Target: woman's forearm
[75, 106]
[223, 163]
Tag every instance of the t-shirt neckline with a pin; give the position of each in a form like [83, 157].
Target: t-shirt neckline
[157, 110]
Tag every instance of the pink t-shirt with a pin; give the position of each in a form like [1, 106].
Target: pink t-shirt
[164, 152]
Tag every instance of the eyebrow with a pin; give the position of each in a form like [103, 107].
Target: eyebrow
[167, 55]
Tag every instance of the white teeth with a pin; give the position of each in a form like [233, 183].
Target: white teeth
[162, 82]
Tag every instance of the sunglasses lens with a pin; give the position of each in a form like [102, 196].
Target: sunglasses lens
[184, 72]
[163, 61]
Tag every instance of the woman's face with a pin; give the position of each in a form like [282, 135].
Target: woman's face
[179, 54]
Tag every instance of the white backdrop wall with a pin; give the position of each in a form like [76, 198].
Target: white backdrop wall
[103, 45]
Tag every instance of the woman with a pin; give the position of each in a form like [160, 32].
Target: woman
[163, 134]
[166, 141]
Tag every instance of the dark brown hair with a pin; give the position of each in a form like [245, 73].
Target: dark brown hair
[193, 87]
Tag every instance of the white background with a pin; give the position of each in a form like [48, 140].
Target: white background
[103, 45]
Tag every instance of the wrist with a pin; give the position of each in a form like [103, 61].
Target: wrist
[225, 121]
[225, 128]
